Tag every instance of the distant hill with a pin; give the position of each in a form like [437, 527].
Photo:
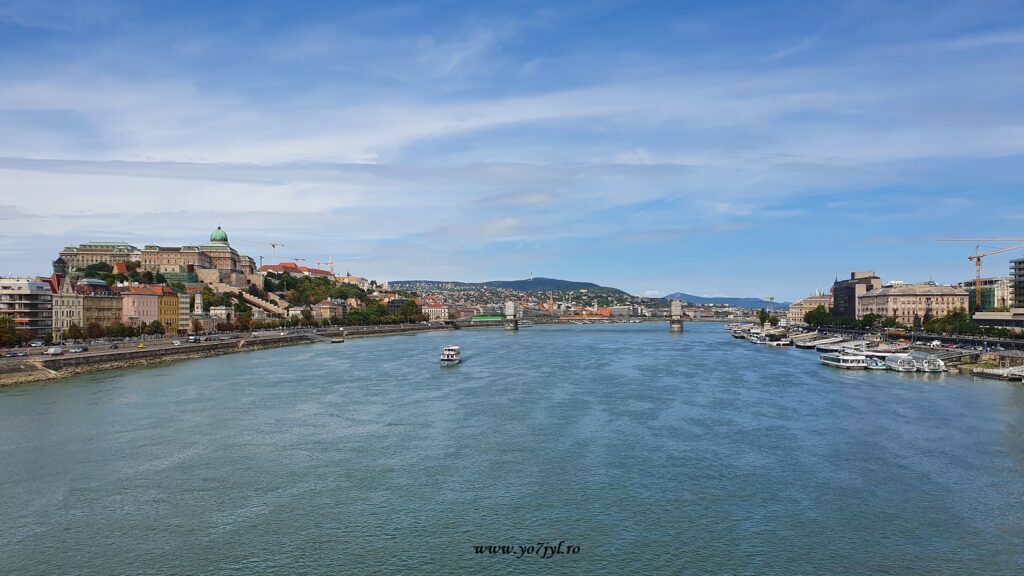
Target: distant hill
[738, 302]
[528, 285]
[547, 285]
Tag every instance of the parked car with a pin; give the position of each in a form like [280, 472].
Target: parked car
[37, 344]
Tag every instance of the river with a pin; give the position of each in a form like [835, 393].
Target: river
[641, 451]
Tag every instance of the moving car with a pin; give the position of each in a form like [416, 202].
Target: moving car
[54, 351]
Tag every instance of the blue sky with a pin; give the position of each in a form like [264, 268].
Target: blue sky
[742, 148]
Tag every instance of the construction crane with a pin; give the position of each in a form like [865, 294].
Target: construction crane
[978, 255]
[274, 246]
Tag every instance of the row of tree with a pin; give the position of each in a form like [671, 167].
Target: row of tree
[104, 271]
[114, 330]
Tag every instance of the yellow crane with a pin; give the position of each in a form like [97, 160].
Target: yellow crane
[978, 255]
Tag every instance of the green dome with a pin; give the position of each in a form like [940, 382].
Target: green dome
[219, 236]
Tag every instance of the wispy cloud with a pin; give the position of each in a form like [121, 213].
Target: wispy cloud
[400, 133]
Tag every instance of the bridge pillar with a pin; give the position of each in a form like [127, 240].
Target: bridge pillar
[511, 313]
[675, 322]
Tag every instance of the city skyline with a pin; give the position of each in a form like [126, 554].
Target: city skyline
[649, 147]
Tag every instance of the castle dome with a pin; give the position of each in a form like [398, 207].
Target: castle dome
[219, 236]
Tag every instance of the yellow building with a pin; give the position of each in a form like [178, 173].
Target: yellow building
[167, 310]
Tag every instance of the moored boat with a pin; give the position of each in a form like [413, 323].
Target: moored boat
[844, 360]
[901, 363]
[927, 362]
[877, 364]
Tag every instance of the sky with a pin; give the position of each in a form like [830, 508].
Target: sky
[714, 148]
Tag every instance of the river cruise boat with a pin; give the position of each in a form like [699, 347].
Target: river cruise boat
[927, 362]
[525, 323]
[901, 363]
[451, 355]
[844, 360]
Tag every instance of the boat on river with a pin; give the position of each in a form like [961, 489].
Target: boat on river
[927, 362]
[877, 364]
[901, 362]
[844, 360]
[451, 355]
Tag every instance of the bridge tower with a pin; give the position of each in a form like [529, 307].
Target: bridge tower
[675, 322]
[511, 313]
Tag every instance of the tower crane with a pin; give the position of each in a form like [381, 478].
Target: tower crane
[978, 255]
[274, 246]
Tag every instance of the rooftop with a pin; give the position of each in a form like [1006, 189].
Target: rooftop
[916, 290]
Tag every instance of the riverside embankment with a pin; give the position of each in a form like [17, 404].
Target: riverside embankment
[40, 368]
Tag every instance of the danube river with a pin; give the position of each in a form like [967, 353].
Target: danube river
[642, 452]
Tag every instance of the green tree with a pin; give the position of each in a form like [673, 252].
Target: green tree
[244, 321]
[74, 332]
[762, 316]
[870, 321]
[820, 316]
[156, 327]
[94, 330]
[96, 270]
[410, 312]
[118, 330]
[8, 332]
[159, 278]
[774, 320]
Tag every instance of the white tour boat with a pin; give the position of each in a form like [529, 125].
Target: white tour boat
[844, 360]
[451, 355]
[927, 362]
[901, 363]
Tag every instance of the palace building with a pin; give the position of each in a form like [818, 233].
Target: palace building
[214, 263]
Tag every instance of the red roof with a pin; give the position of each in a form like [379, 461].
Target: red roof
[293, 268]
